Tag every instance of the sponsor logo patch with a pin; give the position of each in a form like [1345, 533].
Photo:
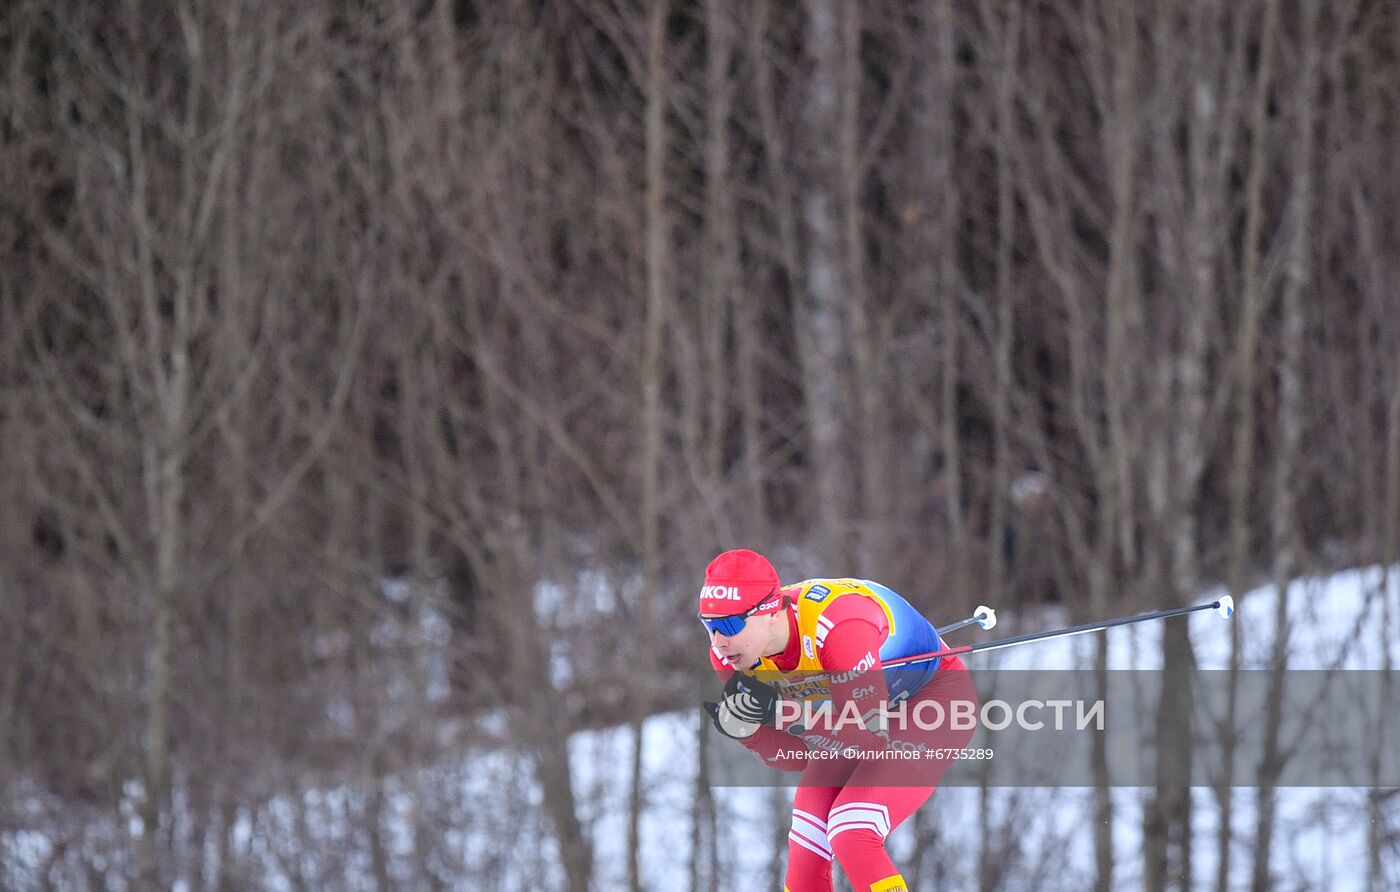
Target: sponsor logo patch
[866, 663]
[808, 647]
[815, 688]
[818, 593]
[720, 592]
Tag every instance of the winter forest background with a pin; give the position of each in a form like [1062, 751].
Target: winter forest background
[376, 379]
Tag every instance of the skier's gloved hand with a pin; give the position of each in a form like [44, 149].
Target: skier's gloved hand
[713, 709]
[747, 703]
[751, 699]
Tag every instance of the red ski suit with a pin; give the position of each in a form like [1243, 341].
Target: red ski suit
[846, 807]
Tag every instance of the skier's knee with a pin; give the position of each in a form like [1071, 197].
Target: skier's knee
[853, 846]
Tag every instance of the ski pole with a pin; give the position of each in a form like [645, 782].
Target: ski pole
[1225, 607]
[984, 616]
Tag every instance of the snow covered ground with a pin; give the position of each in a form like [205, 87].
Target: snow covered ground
[481, 821]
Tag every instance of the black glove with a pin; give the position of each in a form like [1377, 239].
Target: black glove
[746, 704]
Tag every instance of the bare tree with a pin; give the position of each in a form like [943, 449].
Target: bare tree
[1290, 430]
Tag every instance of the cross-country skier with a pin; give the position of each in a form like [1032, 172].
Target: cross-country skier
[824, 640]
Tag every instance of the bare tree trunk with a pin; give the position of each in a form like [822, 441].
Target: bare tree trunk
[1104, 863]
[1375, 801]
[1378, 839]
[720, 284]
[781, 820]
[939, 201]
[1122, 141]
[1245, 359]
[788, 219]
[1002, 23]
[1006, 37]
[866, 326]
[1213, 86]
[373, 814]
[1116, 42]
[1185, 441]
[164, 481]
[659, 299]
[1290, 434]
[823, 337]
[704, 837]
[1247, 335]
[720, 279]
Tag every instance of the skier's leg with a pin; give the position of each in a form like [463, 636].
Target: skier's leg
[882, 795]
[859, 821]
[809, 853]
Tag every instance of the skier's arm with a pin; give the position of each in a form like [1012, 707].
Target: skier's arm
[851, 657]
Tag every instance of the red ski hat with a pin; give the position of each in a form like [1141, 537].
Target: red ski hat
[739, 581]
